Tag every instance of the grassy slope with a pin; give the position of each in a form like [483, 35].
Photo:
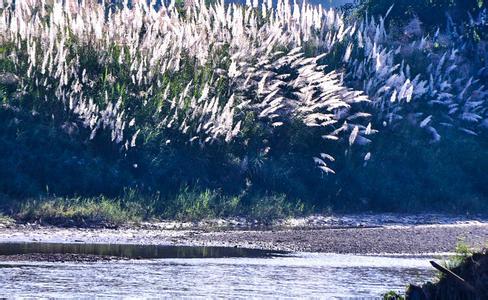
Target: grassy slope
[403, 175]
[51, 160]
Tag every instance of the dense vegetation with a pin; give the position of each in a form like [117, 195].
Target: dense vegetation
[432, 13]
[468, 264]
[217, 110]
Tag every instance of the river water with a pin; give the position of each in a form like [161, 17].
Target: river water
[265, 275]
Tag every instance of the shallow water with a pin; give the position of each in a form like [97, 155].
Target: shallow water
[132, 251]
[282, 276]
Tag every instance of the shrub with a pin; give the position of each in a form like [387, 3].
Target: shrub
[77, 211]
[191, 204]
[432, 13]
[5, 219]
[244, 101]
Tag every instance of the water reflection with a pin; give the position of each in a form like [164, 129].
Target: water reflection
[132, 251]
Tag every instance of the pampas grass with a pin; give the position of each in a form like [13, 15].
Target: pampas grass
[205, 75]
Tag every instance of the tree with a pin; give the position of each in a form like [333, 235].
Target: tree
[432, 13]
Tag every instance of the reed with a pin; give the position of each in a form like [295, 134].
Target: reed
[213, 75]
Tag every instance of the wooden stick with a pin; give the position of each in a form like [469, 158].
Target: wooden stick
[454, 276]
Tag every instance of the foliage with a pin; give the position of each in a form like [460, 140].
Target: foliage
[272, 207]
[5, 219]
[194, 205]
[430, 12]
[392, 295]
[213, 109]
[187, 205]
[79, 211]
[472, 267]
[415, 175]
[463, 253]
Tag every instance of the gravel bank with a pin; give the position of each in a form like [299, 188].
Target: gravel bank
[415, 239]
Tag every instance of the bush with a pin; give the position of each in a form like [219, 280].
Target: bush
[80, 212]
[191, 204]
[432, 13]
[267, 208]
[5, 219]
[260, 107]
[471, 266]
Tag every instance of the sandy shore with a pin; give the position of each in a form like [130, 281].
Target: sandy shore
[404, 239]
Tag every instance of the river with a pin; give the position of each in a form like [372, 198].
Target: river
[176, 271]
[379, 253]
[308, 275]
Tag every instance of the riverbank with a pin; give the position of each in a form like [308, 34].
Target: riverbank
[346, 235]
[465, 277]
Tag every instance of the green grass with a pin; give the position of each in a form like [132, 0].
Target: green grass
[5, 219]
[194, 205]
[191, 204]
[469, 264]
[443, 287]
[463, 252]
[392, 295]
[272, 207]
[78, 211]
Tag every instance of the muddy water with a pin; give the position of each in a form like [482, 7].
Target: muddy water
[207, 272]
